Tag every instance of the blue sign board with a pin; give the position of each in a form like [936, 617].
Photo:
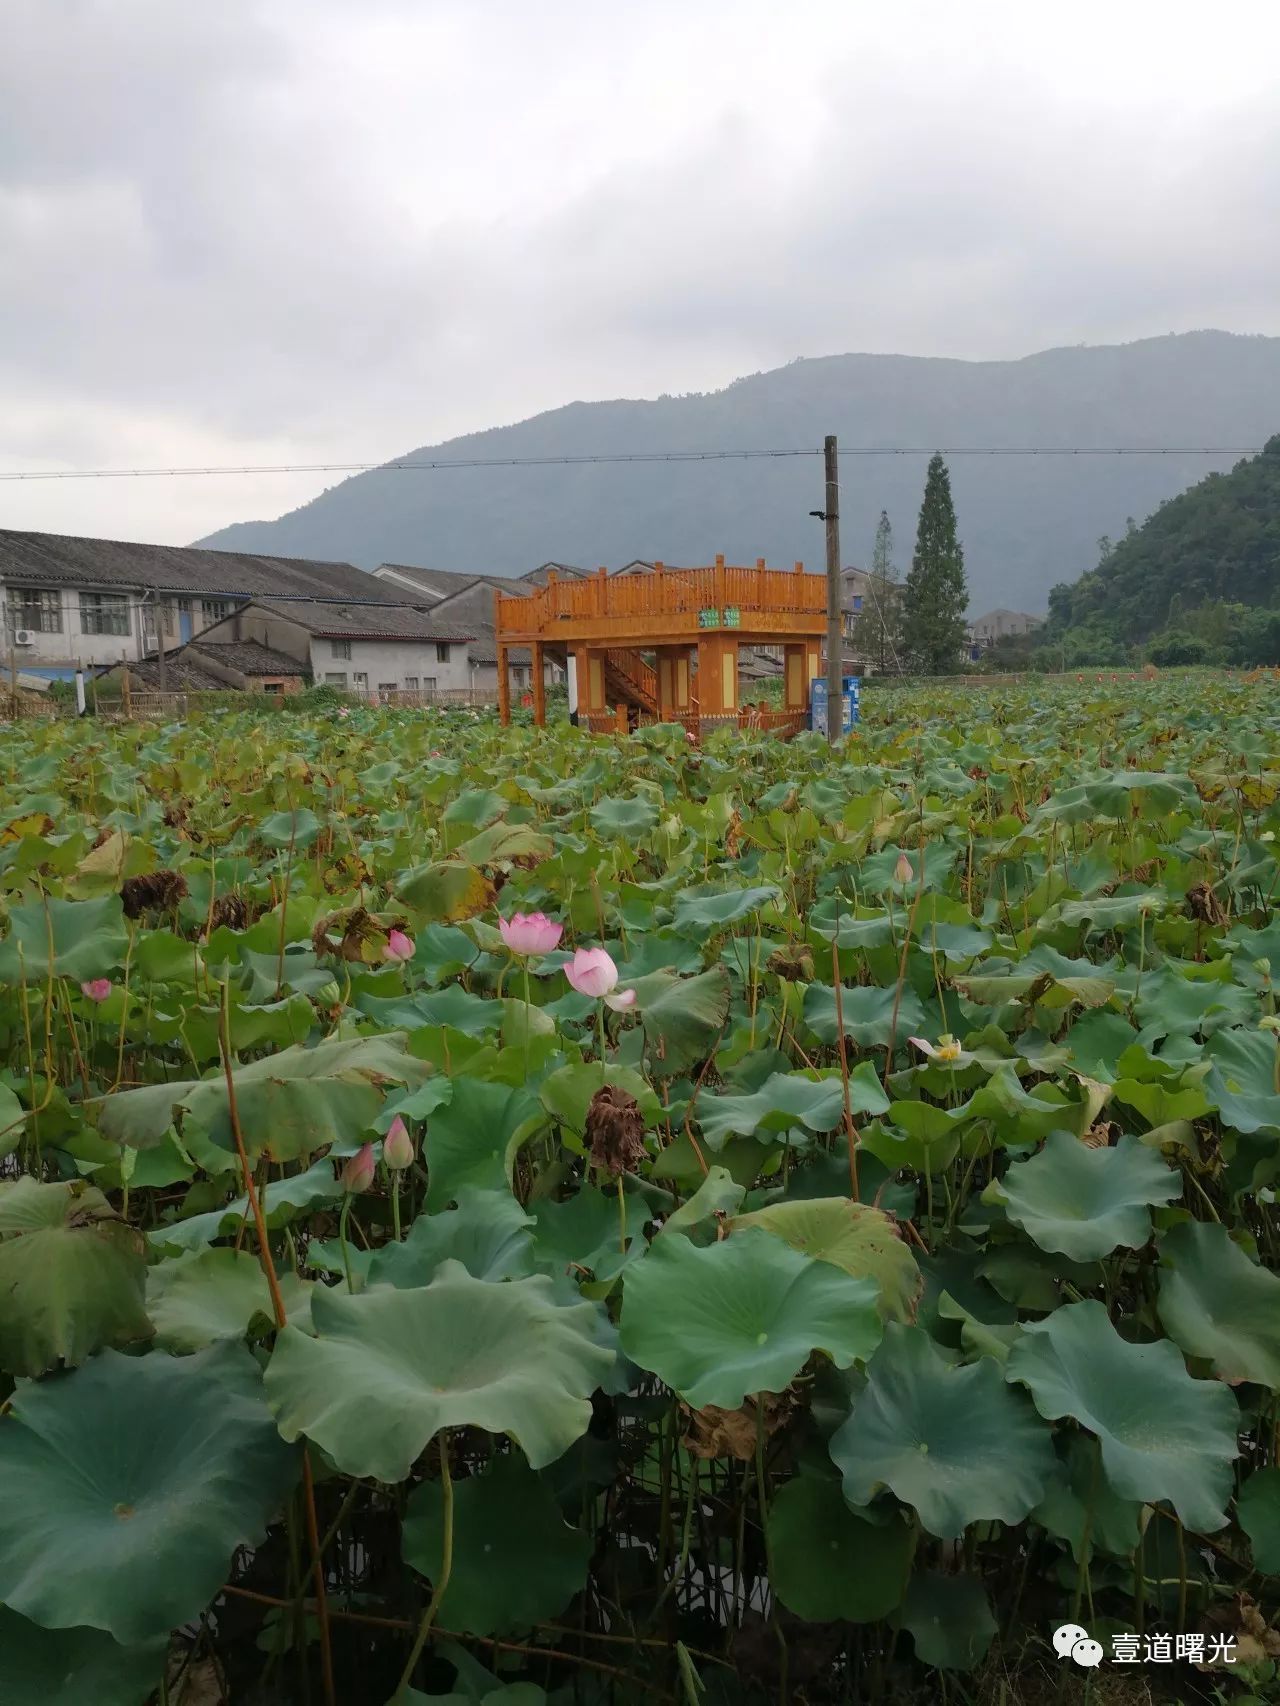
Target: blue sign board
[851, 688]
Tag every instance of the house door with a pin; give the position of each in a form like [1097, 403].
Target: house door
[184, 620]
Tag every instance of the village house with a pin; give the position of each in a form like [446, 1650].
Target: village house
[467, 601]
[995, 625]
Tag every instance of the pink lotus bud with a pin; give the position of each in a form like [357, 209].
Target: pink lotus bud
[399, 946]
[530, 932]
[397, 1146]
[358, 1173]
[592, 972]
[902, 871]
[97, 988]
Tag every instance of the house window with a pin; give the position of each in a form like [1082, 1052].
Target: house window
[857, 601]
[442, 652]
[336, 680]
[31, 608]
[340, 649]
[273, 687]
[214, 610]
[385, 687]
[428, 684]
[104, 613]
[360, 681]
[411, 684]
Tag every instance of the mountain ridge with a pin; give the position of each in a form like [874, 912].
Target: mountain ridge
[1027, 522]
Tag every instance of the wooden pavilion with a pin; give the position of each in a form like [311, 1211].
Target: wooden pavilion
[663, 646]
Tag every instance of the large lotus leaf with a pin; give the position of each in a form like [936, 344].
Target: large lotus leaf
[1081, 1509]
[206, 1295]
[1164, 1435]
[949, 1620]
[613, 816]
[827, 1562]
[787, 1099]
[282, 1200]
[867, 1013]
[708, 909]
[1242, 1079]
[72, 1276]
[126, 1487]
[444, 891]
[504, 844]
[682, 1016]
[488, 1233]
[516, 1561]
[74, 1667]
[1084, 1202]
[1258, 1509]
[1217, 1304]
[741, 1316]
[567, 1093]
[294, 829]
[855, 1236]
[698, 1217]
[475, 1138]
[473, 1015]
[585, 1232]
[77, 939]
[290, 1104]
[390, 1368]
[953, 1442]
[13, 1120]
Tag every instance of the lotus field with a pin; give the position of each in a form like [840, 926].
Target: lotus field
[504, 1216]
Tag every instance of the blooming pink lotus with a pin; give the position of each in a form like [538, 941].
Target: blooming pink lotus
[592, 972]
[343, 711]
[97, 988]
[530, 932]
[399, 946]
[358, 1173]
[397, 1146]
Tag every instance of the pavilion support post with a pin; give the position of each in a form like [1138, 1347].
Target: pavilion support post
[504, 687]
[539, 681]
[718, 681]
[797, 674]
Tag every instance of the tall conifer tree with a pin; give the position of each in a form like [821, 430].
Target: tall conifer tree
[937, 593]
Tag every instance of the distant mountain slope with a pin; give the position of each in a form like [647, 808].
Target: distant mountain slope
[1026, 522]
[1219, 542]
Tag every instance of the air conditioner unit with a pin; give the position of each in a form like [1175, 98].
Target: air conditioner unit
[24, 637]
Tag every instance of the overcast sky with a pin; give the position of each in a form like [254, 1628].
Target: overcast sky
[293, 230]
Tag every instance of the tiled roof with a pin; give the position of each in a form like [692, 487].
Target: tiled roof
[250, 657]
[364, 621]
[66, 559]
[444, 582]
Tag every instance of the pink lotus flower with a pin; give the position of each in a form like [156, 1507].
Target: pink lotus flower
[399, 946]
[357, 1175]
[903, 871]
[530, 932]
[592, 972]
[97, 988]
[397, 1146]
[343, 711]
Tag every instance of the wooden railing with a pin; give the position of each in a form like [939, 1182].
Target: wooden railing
[664, 592]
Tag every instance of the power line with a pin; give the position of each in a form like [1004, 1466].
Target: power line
[407, 467]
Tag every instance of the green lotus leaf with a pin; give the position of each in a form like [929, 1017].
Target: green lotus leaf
[708, 909]
[567, 1093]
[1242, 1079]
[741, 1316]
[949, 1620]
[516, 1561]
[488, 1232]
[390, 1368]
[585, 1232]
[1163, 1434]
[471, 1014]
[612, 817]
[1258, 1508]
[74, 1667]
[682, 1016]
[475, 1138]
[126, 1486]
[72, 1276]
[787, 1099]
[862, 1240]
[946, 1440]
[290, 1104]
[1083, 1202]
[1081, 1509]
[76, 939]
[1217, 1304]
[282, 1200]
[829, 1563]
[867, 1011]
[294, 829]
[444, 891]
[206, 1295]
[13, 1119]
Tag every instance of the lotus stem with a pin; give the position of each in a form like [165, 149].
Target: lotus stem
[342, 1240]
[442, 1579]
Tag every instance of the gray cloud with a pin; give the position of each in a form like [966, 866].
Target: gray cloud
[271, 230]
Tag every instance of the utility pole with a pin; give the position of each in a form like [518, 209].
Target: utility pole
[835, 615]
